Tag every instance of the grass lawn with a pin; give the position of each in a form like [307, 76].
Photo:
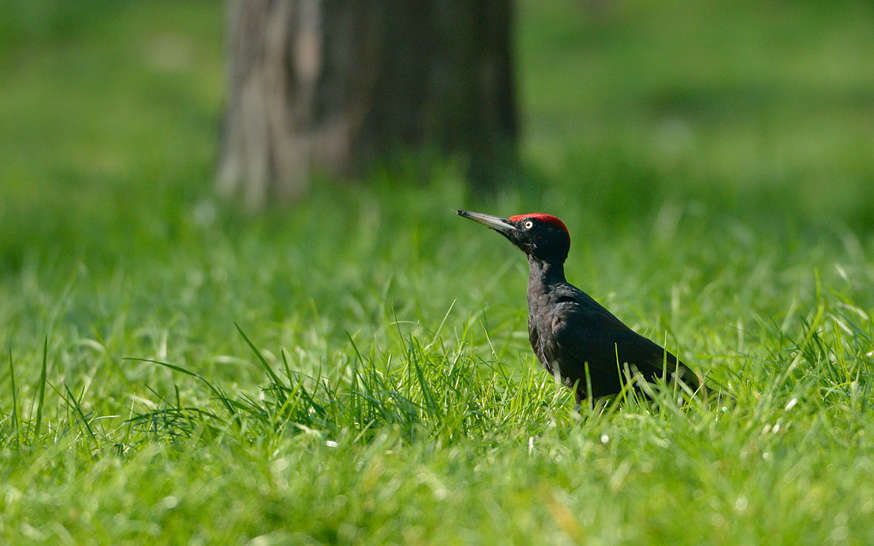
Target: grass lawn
[355, 368]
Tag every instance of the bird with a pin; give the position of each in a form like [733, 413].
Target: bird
[574, 337]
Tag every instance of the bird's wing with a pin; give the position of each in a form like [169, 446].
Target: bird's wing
[587, 333]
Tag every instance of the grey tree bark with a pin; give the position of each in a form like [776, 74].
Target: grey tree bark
[331, 84]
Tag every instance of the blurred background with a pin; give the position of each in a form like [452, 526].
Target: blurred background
[715, 132]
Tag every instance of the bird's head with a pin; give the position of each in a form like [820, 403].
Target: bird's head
[542, 236]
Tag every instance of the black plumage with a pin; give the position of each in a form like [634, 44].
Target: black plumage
[568, 329]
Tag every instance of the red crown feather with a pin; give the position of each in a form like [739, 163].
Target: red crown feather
[546, 218]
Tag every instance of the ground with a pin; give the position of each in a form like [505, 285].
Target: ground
[355, 367]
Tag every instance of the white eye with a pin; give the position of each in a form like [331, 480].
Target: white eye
[529, 224]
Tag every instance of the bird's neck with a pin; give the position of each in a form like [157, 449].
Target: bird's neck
[544, 272]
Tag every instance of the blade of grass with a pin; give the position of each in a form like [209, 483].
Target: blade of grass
[76, 406]
[430, 403]
[284, 356]
[221, 396]
[42, 388]
[270, 372]
[356, 407]
[16, 417]
[440, 326]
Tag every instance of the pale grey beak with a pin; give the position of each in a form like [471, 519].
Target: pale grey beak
[501, 225]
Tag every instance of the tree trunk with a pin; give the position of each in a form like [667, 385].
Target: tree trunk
[331, 84]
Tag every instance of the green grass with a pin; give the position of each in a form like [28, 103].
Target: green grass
[356, 367]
